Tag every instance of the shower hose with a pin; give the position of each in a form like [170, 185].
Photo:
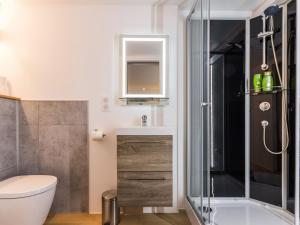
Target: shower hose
[283, 102]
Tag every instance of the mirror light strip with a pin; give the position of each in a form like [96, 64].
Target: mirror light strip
[124, 67]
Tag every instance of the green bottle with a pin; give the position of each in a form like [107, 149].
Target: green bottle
[267, 83]
[257, 82]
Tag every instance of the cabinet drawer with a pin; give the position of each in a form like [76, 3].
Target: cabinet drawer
[145, 189]
[144, 153]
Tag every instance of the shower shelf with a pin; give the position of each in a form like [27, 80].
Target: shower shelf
[276, 90]
[144, 101]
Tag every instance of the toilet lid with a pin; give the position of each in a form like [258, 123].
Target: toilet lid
[25, 186]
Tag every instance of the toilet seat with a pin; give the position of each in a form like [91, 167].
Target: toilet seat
[26, 186]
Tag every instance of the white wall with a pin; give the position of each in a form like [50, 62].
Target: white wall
[64, 51]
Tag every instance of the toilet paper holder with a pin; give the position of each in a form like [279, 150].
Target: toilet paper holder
[98, 135]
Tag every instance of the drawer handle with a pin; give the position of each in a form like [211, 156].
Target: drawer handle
[147, 178]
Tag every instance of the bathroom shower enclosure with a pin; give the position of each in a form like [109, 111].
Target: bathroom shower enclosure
[232, 178]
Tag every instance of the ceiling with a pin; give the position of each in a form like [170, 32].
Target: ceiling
[229, 5]
[216, 5]
[113, 2]
[134, 2]
[234, 5]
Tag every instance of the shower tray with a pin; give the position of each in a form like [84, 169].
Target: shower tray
[241, 211]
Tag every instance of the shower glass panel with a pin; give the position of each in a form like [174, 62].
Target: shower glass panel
[195, 156]
[291, 60]
[199, 111]
[265, 169]
[228, 107]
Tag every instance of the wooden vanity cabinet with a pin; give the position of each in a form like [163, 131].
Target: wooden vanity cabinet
[145, 170]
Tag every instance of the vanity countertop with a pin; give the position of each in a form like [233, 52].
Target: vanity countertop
[145, 131]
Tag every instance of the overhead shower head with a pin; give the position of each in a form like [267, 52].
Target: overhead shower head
[275, 8]
[272, 10]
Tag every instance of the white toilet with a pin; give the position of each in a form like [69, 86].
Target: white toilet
[26, 200]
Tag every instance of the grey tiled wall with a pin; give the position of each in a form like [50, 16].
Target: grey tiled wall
[8, 140]
[54, 140]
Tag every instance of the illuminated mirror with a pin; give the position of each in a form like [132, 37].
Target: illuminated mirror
[144, 66]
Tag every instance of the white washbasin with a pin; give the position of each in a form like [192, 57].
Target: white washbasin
[145, 131]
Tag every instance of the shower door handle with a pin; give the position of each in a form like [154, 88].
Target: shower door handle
[205, 104]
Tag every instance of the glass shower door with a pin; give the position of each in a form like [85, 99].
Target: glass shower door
[206, 104]
[199, 110]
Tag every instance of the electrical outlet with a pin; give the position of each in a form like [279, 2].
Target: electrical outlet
[105, 104]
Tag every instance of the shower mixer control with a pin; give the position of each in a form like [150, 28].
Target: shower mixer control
[264, 123]
[264, 106]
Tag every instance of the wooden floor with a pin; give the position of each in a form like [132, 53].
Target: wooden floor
[144, 219]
